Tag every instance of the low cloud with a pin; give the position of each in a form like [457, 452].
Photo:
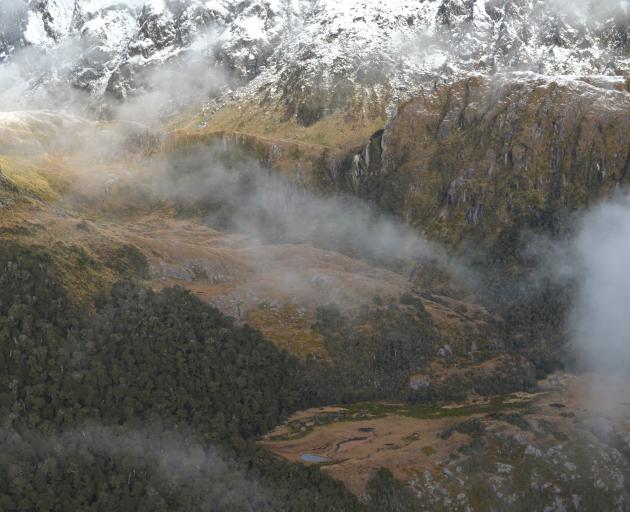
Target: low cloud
[600, 320]
[62, 77]
[592, 262]
[206, 472]
[248, 198]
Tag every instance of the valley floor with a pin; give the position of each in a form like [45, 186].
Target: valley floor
[512, 443]
[480, 450]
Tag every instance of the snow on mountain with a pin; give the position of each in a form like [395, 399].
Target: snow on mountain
[284, 50]
[450, 38]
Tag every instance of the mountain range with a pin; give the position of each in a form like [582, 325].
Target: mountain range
[295, 255]
[300, 52]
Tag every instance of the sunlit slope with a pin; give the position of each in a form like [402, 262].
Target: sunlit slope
[467, 163]
[88, 192]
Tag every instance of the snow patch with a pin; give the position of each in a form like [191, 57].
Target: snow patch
[35, 32]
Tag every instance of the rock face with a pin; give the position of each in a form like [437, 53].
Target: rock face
[312, 58]
[474, 149]
[32, 23]
[485, 156]
[362, 54]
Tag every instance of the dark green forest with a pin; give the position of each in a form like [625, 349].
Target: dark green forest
[152, 401]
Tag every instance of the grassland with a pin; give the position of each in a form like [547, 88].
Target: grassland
[307, 421]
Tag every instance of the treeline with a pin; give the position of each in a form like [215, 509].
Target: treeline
[376, 352]
[89, 400]
[533, 308]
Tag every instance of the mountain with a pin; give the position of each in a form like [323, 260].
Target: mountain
[312, 58]
[314, 255]
[486, 156]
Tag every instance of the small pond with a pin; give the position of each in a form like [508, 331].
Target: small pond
[307, 457]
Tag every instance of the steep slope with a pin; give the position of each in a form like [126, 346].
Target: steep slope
[312, 58]
[474, 122]
[109, 210]
[482, 157]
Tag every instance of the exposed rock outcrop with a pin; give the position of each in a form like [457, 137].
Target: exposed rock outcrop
[482, 156]
[310, 59]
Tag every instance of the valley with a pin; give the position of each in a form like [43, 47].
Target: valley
[102, 223]
[446, 451]
[314, 256]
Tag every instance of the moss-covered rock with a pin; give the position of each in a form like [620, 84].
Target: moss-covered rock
[482, 157]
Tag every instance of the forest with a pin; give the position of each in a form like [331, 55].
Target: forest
[151, 401]
[154, 400]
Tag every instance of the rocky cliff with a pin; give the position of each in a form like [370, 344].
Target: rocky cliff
[485, 156]
[307, 59]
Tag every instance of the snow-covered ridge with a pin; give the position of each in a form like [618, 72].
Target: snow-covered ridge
[284, 48]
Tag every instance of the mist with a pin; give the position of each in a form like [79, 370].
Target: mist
[163, 458]
[247, 198]
[22, 75]
[600, 321]
[187, 80]
[590, 264]
[553, 38]
[60, 77]
[590, 10]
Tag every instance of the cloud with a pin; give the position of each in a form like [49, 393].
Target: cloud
[591, 265]
[73, 73]
[93, 5]
[168, 88]
[589, 10]
[207, 473]
[38, 78]
[248, 198]
[600, 320]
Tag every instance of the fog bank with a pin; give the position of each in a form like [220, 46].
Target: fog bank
[600, 320]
